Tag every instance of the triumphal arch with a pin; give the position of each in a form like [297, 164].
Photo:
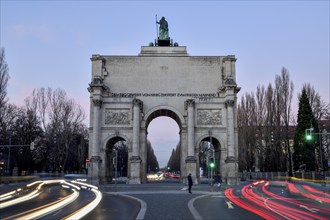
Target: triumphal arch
[128, 92]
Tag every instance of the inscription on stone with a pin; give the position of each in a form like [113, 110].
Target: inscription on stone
[194, 95]
[209, 117]
[117, 117]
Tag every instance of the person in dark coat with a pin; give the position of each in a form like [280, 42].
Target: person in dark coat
[190, 182]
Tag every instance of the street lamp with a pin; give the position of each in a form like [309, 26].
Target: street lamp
[9, 146]
[309, 136]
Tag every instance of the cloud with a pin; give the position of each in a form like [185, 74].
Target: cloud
[40, 32]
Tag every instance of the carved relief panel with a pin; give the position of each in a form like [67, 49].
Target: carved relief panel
[117, 117]
[209, 117]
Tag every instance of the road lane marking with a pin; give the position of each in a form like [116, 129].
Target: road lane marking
[230, 205]
[57, 212]
[220, 196]
[313, 210]
[273, 210]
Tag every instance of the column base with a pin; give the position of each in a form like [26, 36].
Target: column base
[191, 167]
[134, 177]
[94, 169]
[232, 171]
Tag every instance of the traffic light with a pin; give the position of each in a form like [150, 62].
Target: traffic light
[212, 164]
[309, 134]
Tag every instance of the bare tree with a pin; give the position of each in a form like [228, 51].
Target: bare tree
[61, 120]
[4, 77]
[65, 118]
[260, 121]
[284, 92]
[247, 123]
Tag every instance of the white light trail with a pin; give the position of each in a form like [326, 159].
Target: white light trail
[42, 212]
[88, 208]
[19, 200]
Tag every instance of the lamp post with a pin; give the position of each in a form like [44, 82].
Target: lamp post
[115, 165]
[212, 160]
[309, 136]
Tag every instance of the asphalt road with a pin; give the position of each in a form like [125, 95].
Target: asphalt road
[275, 199]
[49, 195]
[217, 206]
[115, 207]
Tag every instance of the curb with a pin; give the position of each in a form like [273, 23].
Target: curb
[143, 209]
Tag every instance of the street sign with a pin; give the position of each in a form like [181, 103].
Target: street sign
[32, 146]
[88, 160]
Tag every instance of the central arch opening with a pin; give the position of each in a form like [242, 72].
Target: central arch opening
[163, 132]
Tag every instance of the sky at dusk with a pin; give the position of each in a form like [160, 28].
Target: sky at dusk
[49, 44]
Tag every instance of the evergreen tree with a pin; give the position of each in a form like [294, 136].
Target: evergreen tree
[304, 150]
[174, 161]
[152, 162]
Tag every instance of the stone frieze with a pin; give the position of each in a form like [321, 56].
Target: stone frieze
[209, 117]
[117, 117]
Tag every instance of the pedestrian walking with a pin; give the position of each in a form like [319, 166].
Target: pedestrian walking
[190, 183]
[218, 181]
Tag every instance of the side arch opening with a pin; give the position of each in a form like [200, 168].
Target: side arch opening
[209, 160]
[116, 160]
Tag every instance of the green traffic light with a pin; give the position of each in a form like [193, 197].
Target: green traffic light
[211, 165]
[308, 137]
[308, 134]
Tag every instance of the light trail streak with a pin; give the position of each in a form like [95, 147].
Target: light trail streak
[260, 201]
[45, 209]
[54, 206]
[294, 202]
[9, 195]
[286, 211]
[238, 201]
[270, 208]
[89, 207]
[312, 190]
[29, 196]
[294, 189]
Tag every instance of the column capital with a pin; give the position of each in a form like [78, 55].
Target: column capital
[138, 103]
[189, 103]
[96, 57]
[97, 103]
[229, 58]
[229, 103]
[97, 85]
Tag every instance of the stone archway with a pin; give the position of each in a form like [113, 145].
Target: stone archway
[166, 111]
[115, 159]
[128, 92]
[208, 148]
